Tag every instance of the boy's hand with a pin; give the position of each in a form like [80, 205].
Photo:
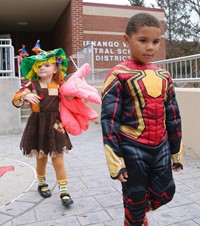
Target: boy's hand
[176, 167]
[177, 160]
[123, 177]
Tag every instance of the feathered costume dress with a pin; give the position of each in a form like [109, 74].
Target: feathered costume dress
[44, 133]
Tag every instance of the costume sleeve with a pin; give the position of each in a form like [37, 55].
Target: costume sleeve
[173, 126]
[110, 122]
[18, 98]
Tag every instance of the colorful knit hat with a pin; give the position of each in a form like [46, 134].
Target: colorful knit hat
[30, 65]
[37, 49]
[22, 52]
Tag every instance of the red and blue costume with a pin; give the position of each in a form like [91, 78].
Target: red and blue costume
[141, 127]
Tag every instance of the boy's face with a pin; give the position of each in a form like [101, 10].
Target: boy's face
[46, 70]
[144, 44]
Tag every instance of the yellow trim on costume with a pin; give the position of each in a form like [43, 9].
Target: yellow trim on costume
[133, 82]
[109, 80]
[38, 64]
[115, 163]
[30, 75]
[153, 83]
[53, 85]
[178, 157]
[18, 98]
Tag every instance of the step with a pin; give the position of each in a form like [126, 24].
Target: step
[24, 118]
[25, 112]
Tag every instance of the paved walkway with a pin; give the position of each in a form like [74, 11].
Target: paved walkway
[97, 198]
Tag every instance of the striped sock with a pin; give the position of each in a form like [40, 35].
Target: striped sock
[41, 179]
[62, 185]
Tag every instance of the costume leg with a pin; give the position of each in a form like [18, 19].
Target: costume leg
[61, 176]
[41, 164]
[162, 186]
[59, 167]
[135, 190]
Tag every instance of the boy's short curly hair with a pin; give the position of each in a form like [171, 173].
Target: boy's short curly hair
[141, 20]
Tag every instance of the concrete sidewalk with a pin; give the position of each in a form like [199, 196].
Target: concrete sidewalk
[97, 198]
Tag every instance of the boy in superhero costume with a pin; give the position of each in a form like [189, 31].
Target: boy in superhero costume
[141, 124]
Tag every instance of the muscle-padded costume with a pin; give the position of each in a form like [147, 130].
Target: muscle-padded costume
[141, 130]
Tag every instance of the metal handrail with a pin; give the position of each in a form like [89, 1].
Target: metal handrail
[185, 68]
[182, 69]
[7, 64]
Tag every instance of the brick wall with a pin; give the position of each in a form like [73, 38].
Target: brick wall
[104, 23]
[107, 29]
[68, 31]
[77, 25]
[62, 32]
[80, 23]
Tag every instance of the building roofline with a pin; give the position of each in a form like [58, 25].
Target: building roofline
[122, 6]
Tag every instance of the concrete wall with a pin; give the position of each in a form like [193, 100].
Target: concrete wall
[10, 116]
[188, 100]
[189, 105]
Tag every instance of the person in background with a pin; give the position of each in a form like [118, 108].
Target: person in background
[141, 124]
[44, 134]
[22, 54]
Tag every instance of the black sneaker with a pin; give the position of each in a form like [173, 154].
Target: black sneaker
[66, 199]
[44, 191]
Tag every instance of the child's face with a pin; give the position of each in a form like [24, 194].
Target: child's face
[46, 70]
[144, 44]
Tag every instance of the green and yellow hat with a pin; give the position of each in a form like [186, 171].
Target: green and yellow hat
[30, 65]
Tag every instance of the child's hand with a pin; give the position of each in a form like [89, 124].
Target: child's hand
[176, 167]
[32, 98]
[177, 160]
[123, 177]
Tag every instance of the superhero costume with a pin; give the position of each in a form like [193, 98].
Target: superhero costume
[141, 128]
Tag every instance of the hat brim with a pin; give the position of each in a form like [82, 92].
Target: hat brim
[28, 62]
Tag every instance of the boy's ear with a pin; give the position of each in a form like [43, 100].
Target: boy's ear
[126, 38]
